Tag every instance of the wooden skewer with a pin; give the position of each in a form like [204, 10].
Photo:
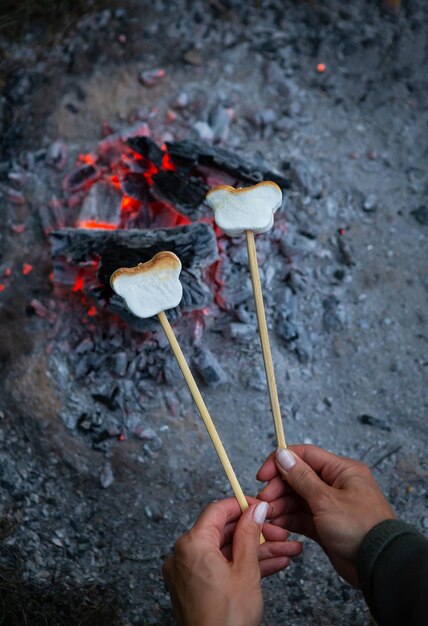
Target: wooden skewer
[209, 424]
[264, 339]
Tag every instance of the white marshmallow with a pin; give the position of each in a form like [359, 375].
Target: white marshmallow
[248, 208]
[150, 287]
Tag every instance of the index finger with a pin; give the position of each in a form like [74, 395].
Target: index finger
[214, 518]
[326, 464]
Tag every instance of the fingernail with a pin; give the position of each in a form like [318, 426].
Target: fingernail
[259, 513]
[285, 458]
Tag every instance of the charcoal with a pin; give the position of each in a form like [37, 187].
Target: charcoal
[82, 176]
[195, 245]
[147, 148]
[82, 367]
[51, 217]
[331, 319]
[171, 371]
[136, 186]
[287, 329]
[102, 204]
[118, 363]
[84, 346]
[192, 154]
[242, 333]
[305, 176]
[377, 422]
[106, 476]
[208, 367]
[344, 255]
[185, 192]
[421, 215]
[107, 395]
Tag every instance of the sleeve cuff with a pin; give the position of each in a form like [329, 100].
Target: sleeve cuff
[373, 544]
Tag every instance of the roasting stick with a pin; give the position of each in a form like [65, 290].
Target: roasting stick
[159, 278]
[250, 210]
[264, 339]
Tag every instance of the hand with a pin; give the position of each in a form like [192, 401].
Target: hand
[214, 575]
[330, 499]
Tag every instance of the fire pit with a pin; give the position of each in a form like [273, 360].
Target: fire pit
[112, 134]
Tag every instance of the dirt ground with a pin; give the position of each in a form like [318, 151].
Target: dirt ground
[351, 133]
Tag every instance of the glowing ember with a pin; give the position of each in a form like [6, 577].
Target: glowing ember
[92, 311]
[2, 287]
[95, 224]
[321, 68]
[27, 268]
[129, 205]
[79, 284]
[167, 164]
[89, 159]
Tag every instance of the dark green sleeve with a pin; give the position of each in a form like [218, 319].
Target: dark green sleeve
[393, 573]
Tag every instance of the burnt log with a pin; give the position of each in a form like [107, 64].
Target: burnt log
[190, 154]
[74, 248]
[186, 193]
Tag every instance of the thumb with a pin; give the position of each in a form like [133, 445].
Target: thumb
[246, 537]
[300, 476]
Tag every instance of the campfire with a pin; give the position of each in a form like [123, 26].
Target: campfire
[126, 201]
[130, 199]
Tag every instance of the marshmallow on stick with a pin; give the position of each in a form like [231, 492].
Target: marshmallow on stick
[149, 289]
[250, 210]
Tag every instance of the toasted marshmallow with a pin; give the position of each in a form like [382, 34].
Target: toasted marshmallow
[247, 208]
[150, 287]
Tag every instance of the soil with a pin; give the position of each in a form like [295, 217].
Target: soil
[91, 529]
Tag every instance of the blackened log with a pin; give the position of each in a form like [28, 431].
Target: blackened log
[79, 178]
[186, 193]
[147, 148]
[136, 186]
[190, 154]
[195, 245]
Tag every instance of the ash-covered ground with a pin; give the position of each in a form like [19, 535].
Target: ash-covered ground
[334, 98]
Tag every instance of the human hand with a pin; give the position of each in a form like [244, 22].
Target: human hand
[214, 575]
[330, 499]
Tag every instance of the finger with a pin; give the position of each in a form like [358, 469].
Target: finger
[247, 537]
[274, 533]
[302, 478]
[274, 489]
[272, 549]
[326, 464]
[214, 518]
[268, 470]
[298, 523]
[274, 565]
[227, 534]
[287, 504]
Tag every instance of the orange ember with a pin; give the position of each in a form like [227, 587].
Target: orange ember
[95, 224]
[321, 68]
[129, 205]
[79, 284]
[92, 311]
[167, 164]
[87, 158]
[27, 268]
